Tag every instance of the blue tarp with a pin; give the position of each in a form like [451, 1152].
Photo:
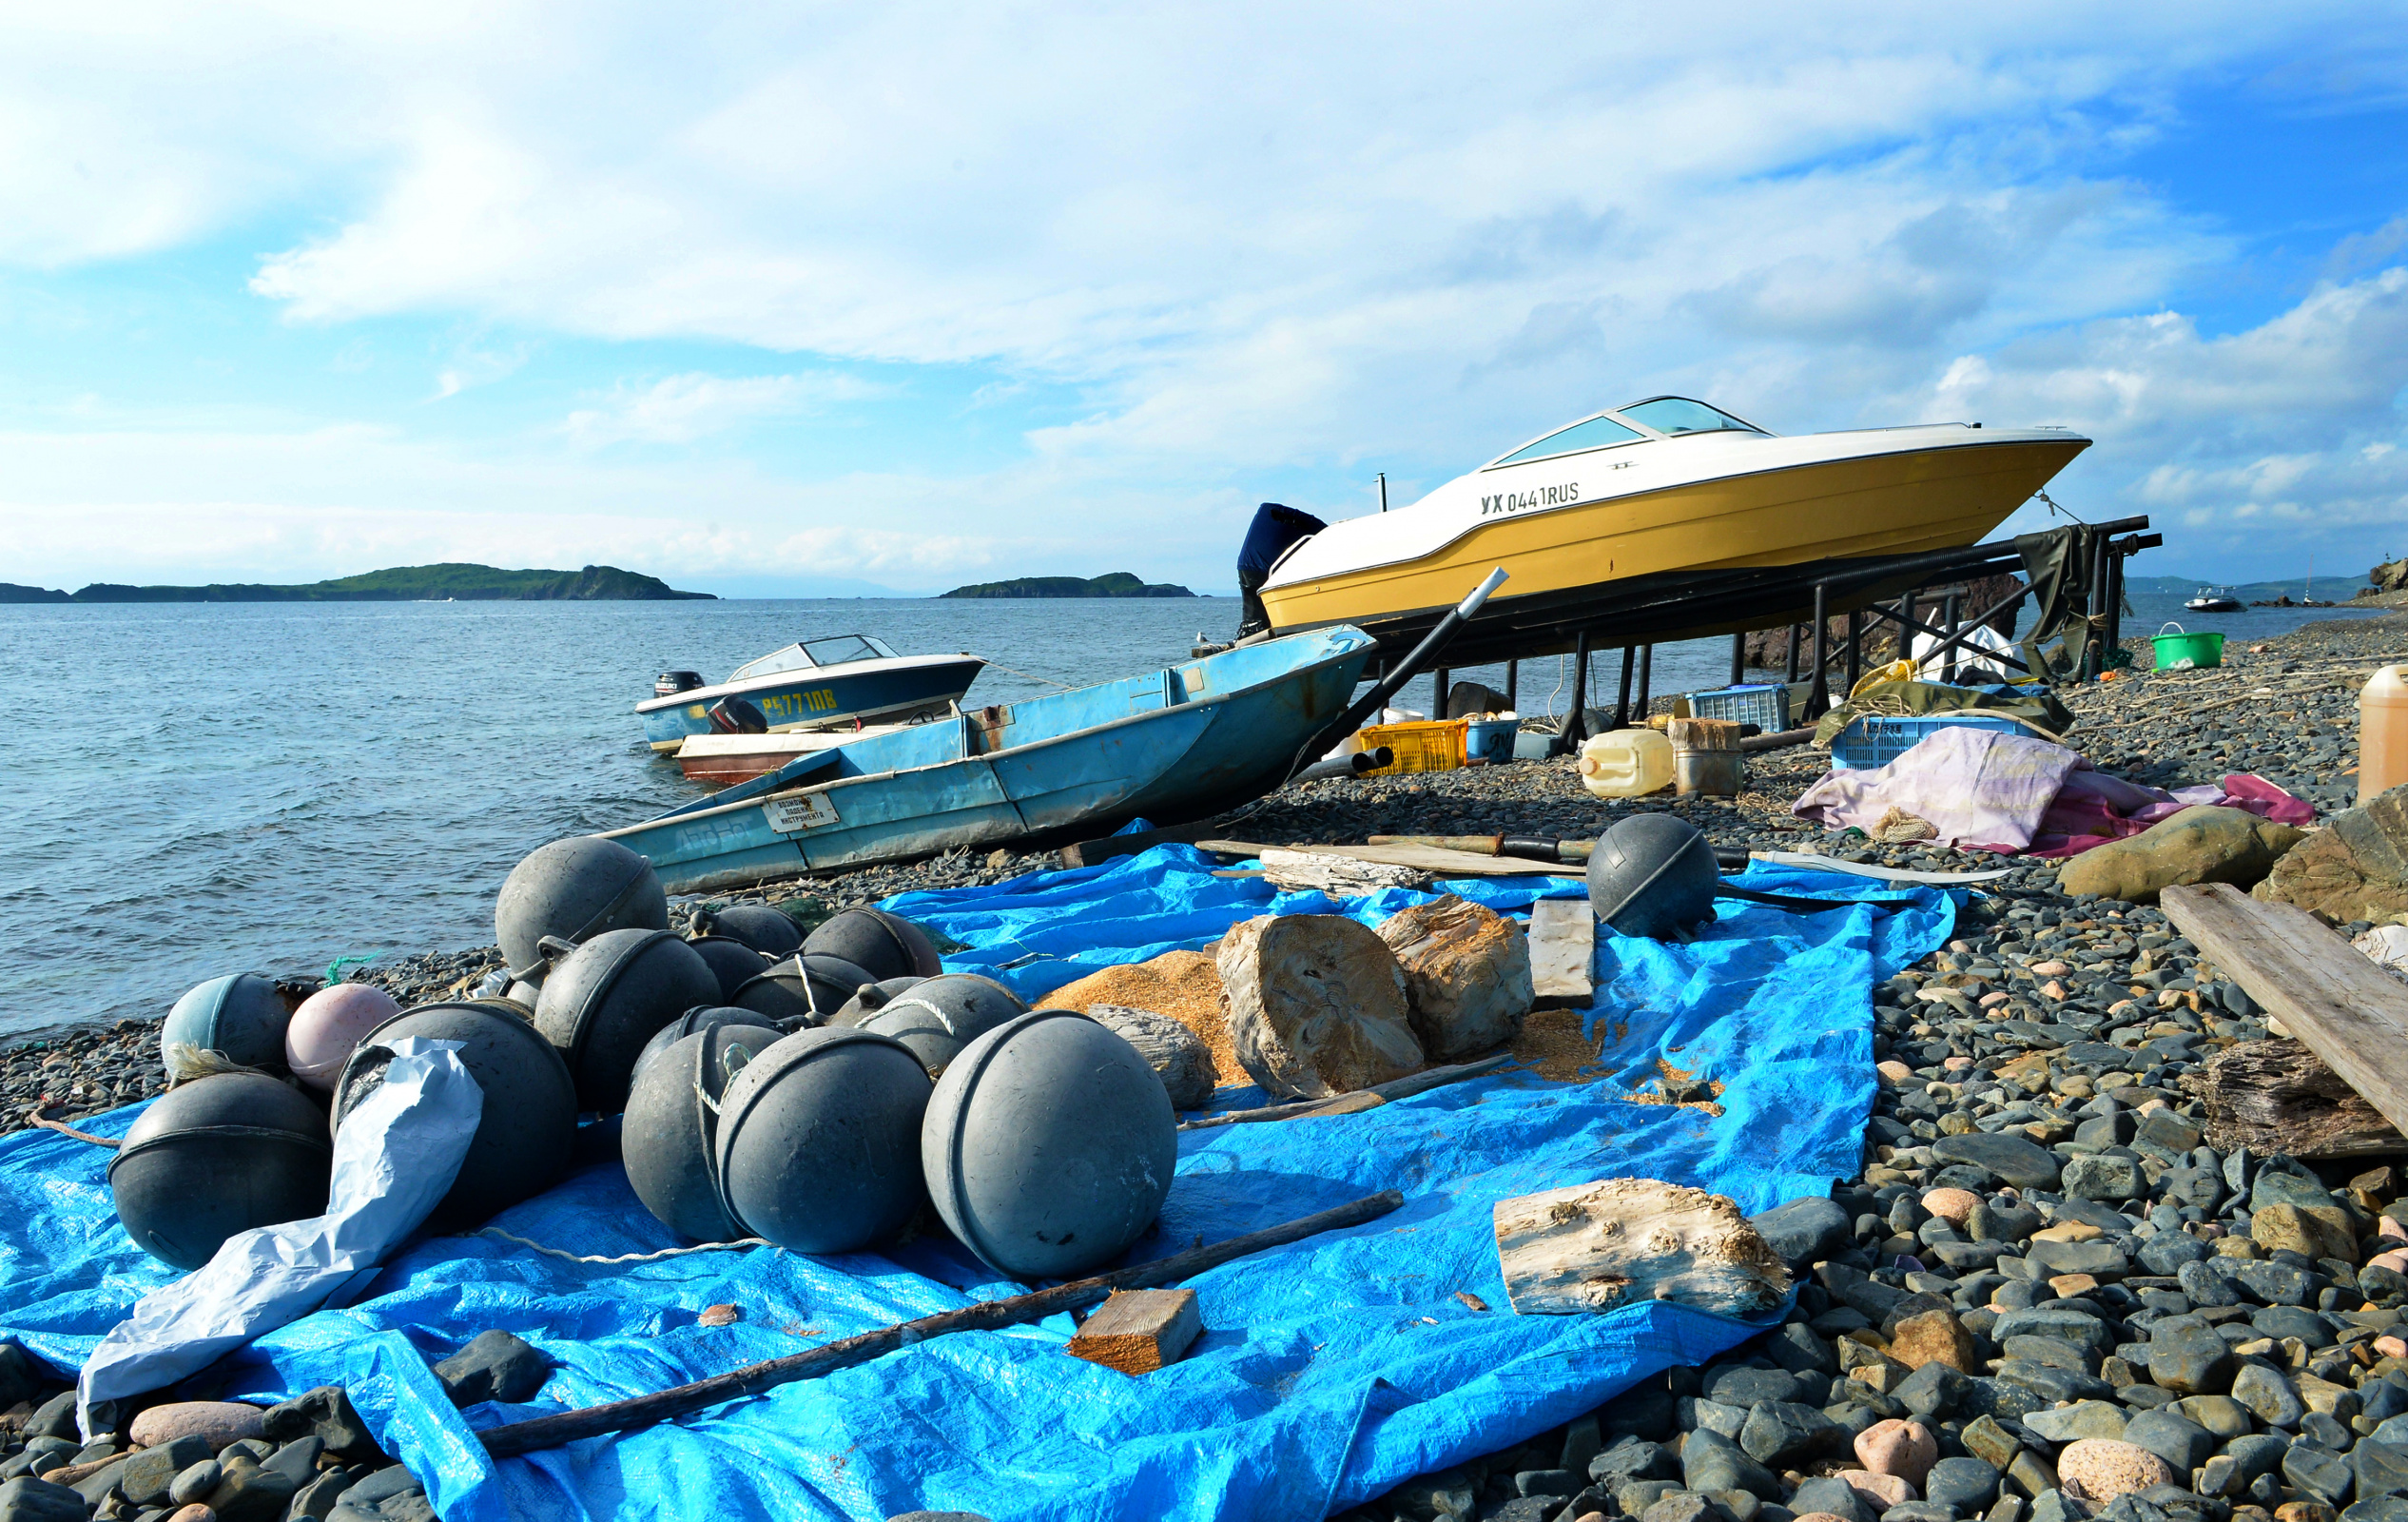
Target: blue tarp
[1330, 1370]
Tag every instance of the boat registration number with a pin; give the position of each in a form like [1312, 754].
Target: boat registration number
[792, 812]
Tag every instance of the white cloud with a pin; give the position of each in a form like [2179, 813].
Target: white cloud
[682, 408]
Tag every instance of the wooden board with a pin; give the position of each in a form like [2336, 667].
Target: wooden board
[1139, 1331]
[1435, 860]
[1562, 949]
[2331, 996]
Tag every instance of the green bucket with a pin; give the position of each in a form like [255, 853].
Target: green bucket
[2179, 650]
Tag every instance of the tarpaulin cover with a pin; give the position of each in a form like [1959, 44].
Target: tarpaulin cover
[1330, 1370]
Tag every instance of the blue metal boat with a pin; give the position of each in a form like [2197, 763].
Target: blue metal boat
[840, 682]
[1172, 743]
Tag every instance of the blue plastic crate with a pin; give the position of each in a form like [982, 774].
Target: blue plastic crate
[1762, 704]
[1875, 740]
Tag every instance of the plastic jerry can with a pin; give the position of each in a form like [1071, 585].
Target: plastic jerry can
[1626, 763]
[2382, 733]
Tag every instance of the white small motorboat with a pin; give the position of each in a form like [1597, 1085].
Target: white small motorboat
[841, 682]
[2213, 600]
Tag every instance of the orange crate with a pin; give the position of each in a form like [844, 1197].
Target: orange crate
[1422, 745]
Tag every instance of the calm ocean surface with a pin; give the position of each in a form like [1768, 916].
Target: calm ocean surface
[203, 789]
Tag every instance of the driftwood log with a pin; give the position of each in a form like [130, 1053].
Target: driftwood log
[1595, 1246]
[1016, 1310]
[1177, 1054]
[1316, 1005]
[1361, 1100]
[1339, 876]
[1466, 974]
[2277, 1096]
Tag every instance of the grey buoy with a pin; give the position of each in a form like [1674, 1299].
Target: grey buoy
[218, 1156]
[1049, 1145]
[803, 990]
[731, 962]
[872, 997]
[672, 1120]
[575, 889]
[1653, 875]
[882, 944]
[527, 1128]
[936, 1017]
[693, 1021]
[241, 1015]
[767, 930]
[819, 1142]
[604, 1000]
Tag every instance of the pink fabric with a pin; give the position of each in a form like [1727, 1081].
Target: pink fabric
[2084, 814]
[1976, 787]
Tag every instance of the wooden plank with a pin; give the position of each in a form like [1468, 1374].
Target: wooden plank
[2331, 996]
[1562, 949]
[1139, 1331]
[1435, 860]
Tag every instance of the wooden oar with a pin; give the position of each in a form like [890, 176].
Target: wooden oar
[643, 1411]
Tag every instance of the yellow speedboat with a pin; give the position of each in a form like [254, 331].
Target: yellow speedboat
[1664, 519]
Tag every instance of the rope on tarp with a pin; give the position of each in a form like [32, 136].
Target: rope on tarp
[623, 1258]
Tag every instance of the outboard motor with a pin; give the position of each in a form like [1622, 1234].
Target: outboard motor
[669, 684]
[882, 945]
[217, 1156]
[609, 996]
[669, 1136]
[241, 1016]
[1049, 1145]
[575, 889]
[1653, 875]
[819, 1142]
[737, 715]
[1276, 528]
[527, 1129]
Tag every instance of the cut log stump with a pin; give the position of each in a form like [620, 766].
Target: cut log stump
[1316, 1005]
[1338, 876]
[1598, 1246]
[1466, 975]
[1139, 1331]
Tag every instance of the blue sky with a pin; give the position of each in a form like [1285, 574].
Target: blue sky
[801, 299]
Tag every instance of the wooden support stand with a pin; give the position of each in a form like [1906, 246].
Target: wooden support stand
[1139, 1331]
[2343, 1007]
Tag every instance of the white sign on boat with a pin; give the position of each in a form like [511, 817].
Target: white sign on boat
[791, 814]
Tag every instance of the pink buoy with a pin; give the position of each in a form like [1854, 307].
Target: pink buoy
[328, 1025]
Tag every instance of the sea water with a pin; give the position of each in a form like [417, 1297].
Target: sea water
[197, 789]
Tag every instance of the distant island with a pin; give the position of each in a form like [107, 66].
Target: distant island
[1118, 584]
[409, 583]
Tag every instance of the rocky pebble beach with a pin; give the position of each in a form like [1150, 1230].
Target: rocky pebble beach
[2046, 1295]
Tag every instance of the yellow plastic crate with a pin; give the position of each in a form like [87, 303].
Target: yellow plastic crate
[1423, 745]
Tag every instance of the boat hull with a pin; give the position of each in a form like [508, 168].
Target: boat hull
[1648, 561]
[1189, 740]
[820, 698]
[729, 758]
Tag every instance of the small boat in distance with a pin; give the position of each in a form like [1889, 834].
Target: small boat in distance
[1171, 744]
[1667, 513]
[2213, 600]
[839, 682]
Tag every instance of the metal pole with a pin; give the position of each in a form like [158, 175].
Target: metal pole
[1788, 670]
[1950, 607]
[1383, 490]
[2115, 602]
[1513, 685]
[1646, 674]
[1576, 722]
[1739, 659]
[1819, 699]
[1438, 684]
[1622, 698]
[2093, 651]
[1855, 648]
[1906, 621]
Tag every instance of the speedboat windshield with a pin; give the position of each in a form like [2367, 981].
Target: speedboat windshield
[1598, 433]
[1678, 415]
[834, 650]
[843, 648]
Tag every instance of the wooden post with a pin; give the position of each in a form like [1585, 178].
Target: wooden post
[1621, 696]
